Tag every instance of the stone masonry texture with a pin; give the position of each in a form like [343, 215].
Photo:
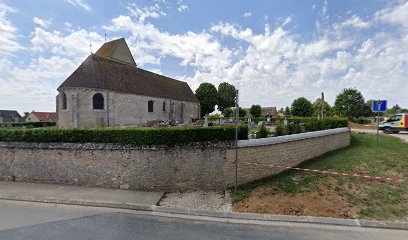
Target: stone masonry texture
[189, 167]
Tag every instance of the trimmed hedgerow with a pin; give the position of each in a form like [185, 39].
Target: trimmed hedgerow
[310, 126]
[29, 124]
[134, 136]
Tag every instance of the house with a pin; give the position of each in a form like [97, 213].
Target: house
[265, 112]
[269, 112]
[41, 117]
[108, 89]
[9, 116]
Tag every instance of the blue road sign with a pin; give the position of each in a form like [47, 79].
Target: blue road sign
[379, 106]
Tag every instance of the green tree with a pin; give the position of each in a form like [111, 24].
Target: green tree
[302, 107]
[287, 112]
[255, 110]
[317, 108]
[395, 109]
[228, 112]
[206, 94]
[366, 111]
[242, 112]
[349, 103]
[226, 96]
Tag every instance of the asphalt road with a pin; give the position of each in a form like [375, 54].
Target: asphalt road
[21, 220]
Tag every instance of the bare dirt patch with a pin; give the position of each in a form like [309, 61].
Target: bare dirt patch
[361, 126]
[324, 203]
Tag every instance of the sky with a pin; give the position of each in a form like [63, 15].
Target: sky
[272, 51]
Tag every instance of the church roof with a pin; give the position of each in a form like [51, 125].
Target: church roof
[117, 50]
[105, 73]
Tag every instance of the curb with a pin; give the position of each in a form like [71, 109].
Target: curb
[221, 214]
[285, 218]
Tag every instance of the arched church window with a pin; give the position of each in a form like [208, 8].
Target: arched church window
[64, 101]
[97, 101]
[150, 106]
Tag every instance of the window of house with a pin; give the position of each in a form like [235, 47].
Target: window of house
[64, 101]
[97, 101]
[164, 106]
[150, 106]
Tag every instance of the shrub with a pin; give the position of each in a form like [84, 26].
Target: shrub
[310, 126]
[29, 124]
[263, 132]
[134, 136]
[280, 130]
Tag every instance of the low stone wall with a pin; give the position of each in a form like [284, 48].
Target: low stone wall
[169, 168]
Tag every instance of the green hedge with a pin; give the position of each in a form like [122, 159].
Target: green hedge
[29, 124]
[134, 136]
[310, 126]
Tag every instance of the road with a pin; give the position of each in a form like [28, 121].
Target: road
[22, 220]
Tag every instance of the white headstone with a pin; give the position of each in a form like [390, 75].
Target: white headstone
[206, 121]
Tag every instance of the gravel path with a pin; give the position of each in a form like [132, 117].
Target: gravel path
[202, 200]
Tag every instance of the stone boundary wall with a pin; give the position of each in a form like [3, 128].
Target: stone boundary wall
[185, 167]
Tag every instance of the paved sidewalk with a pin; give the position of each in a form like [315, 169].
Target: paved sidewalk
[88, 196]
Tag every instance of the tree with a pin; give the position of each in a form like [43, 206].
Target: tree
[395, 109]
[242, 112]
[206, 94]
[228, 112]
[317, 108]
[349, 103]
[255, 111]
[226, 96]
[302, 107]
[287, 112]
[366, 111]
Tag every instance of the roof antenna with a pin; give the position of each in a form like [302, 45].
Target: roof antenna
[105, 37]
[90, 46]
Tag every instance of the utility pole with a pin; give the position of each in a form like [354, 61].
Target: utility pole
[323, 105]
[236, 138]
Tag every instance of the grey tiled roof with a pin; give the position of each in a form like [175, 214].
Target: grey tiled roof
[9, 115]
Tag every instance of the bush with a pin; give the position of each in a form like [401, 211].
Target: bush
[263, 132]
[310, 126]
[134, 136]
[280, 130]
[29, 124]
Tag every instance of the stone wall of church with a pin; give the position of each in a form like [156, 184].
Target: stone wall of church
[120, 109]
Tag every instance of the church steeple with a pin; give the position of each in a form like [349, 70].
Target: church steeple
[117, 50]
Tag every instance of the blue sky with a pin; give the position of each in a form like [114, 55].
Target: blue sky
[273, 51]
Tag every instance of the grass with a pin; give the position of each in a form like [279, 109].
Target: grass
[371, 200]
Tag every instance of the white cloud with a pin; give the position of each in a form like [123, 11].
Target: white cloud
[73, 45]
[182, 8]
[8, 32]
[80, 4]
[357, 22]
[41, 22]
[397, 14]
[247, 14]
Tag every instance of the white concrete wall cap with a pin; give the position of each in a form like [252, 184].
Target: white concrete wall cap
[290, 138]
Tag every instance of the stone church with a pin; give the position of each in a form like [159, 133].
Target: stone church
[108, 89]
